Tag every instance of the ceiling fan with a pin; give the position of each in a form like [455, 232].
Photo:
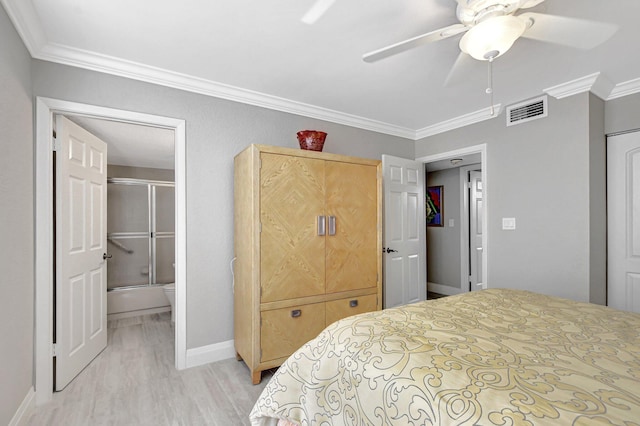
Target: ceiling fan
[492, 26]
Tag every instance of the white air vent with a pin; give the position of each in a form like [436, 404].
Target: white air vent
[527, 111]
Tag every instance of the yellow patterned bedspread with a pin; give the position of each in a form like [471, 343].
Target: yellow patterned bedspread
[493, 357]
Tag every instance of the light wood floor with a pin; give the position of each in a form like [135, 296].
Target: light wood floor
[134, 382]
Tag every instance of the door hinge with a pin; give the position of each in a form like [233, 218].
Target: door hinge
[260, 230]
[54, 349]
[56, 144]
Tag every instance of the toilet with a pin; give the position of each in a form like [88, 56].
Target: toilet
[170, 292]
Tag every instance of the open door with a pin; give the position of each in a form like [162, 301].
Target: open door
[475, 230]
[81, 238]
[404, 235]
[623, 221]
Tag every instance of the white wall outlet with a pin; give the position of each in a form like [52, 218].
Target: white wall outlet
[508, 223]
[451, 223]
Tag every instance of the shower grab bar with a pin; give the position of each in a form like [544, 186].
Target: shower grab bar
[120, 246]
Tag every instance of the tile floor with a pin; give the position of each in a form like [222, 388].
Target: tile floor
[134, 382]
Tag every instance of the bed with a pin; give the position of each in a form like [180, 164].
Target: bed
[493, 357]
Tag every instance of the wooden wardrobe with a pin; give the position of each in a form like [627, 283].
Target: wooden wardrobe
[307, 243]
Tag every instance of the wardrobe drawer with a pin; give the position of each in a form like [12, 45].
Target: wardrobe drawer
[343, 308]
[283, 331]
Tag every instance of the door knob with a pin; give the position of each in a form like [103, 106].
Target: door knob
[106, 256]
[388, 250]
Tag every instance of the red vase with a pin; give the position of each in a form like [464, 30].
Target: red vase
[312, 140]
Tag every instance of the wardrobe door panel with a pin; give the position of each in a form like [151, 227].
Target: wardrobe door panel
[352, 198]
[292, 194]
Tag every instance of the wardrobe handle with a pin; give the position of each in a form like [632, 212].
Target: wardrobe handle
[296, 313]
[332, 225]
[321, 226]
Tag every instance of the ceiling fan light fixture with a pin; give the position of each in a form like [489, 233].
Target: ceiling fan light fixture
[491, 38]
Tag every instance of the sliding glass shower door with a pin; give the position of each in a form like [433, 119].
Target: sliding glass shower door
[140, 232]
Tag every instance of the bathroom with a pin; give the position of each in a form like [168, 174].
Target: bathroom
[140, 241]
[140, 218]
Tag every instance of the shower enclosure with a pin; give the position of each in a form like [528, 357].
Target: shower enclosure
[141, 243]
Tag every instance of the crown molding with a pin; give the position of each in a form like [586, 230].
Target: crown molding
[461, 121]
[136, 71]
[596, 83]
[624, 89]
[573, 87]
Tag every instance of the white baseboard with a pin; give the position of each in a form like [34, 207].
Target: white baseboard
[443, 289]
[25, 409]
[210, 353]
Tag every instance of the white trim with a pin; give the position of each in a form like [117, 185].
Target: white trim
[624, 89]
[482, 149]
[210, 353]
[45, 108]
[24, 410]
[573, 87]
[443, 289]
[461, 121]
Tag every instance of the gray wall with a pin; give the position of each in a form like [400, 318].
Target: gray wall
[16, 222]
[623, 114]
[216, 131]
[139, 173]
[541, 173]
[443, 243]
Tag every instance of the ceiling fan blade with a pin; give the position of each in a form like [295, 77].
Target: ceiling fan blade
[571, 32]
[318, 9]
[430, 37]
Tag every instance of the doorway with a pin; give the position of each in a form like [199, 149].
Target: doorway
[45, 110]
[455, 226]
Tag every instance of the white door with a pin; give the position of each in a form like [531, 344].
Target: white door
[81, 272]
[623, 221]
[475, 230]
[404, 234]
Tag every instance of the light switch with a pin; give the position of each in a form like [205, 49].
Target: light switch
[451, 223]
[508, 223]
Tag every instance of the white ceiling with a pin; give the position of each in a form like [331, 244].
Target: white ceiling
[450, 163]
[259, 52]
[132, 144]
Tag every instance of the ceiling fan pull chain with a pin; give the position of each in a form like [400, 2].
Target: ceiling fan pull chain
[490, 86]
